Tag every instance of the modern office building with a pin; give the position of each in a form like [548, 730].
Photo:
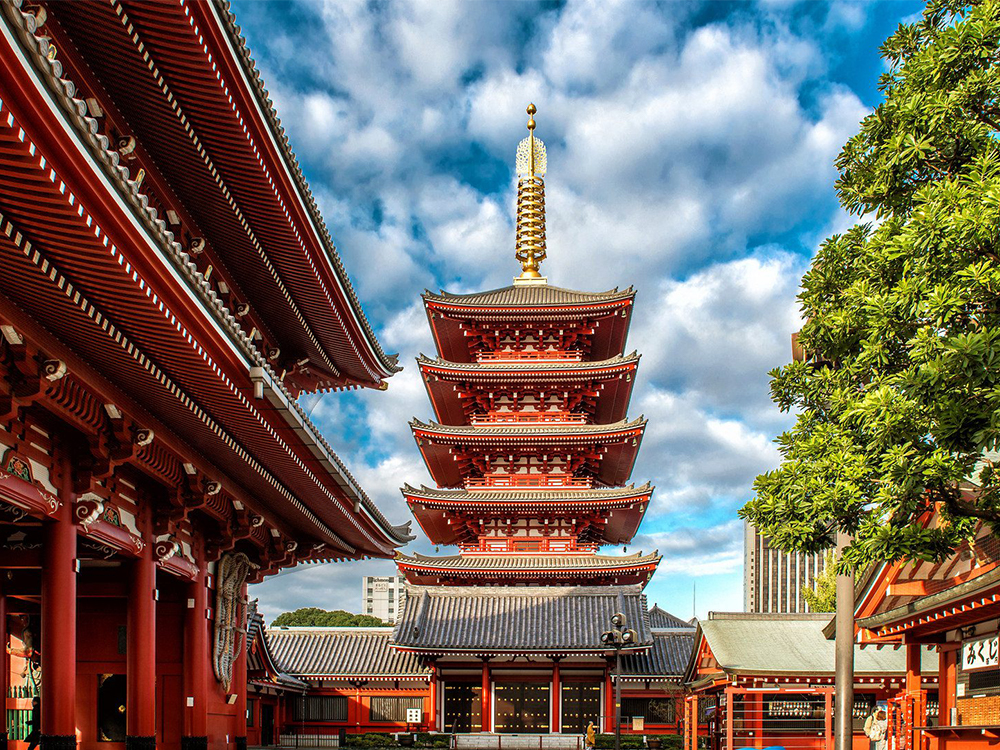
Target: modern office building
[383, 596]
[773, 580]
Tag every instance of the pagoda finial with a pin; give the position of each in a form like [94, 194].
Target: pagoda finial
[529, 244]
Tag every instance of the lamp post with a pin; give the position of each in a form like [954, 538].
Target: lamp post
[617, 638]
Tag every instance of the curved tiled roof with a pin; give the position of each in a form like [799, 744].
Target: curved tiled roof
[609, 494]
[108, 158]
[668, 657]
[516, 430]
[529, 562]
[660, 618]
[233, 31]
[525, 619]
[541, 366]
[530, 294]
[341, 652]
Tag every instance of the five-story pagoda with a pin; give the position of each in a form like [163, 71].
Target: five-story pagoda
[531, 450]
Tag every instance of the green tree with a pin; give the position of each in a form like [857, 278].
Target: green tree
[822, 596]
[899, 403]
[324, 618]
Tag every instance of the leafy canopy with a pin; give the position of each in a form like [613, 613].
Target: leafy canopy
[822, 597]
[324, 618]
[900, 401]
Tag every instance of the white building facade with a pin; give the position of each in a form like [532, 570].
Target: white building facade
[383, 596]
[773, 580]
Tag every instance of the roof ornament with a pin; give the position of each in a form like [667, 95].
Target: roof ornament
[529, 245]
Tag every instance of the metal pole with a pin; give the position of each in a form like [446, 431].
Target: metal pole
[618, 699]
[844, 706]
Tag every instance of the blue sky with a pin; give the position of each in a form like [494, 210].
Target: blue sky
[691, 151]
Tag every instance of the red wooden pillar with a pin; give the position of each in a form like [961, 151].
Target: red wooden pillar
[609, 700]
[433, 718]
[913, 702]
[693, 723]
[239, 684]
[828, 717]
[140, 658]
[485, 709]
[196, 661]
[947, 660]
[730, 710]
[755, 704]
[4, 670]
[556, 696]
[58, 628]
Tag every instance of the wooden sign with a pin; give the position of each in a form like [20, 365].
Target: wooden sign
[983, 653]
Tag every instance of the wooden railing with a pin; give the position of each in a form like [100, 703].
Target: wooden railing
[530, 417]
[542, 544]
[515, 356]
[527, 481]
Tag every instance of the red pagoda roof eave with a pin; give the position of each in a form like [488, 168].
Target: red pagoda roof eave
[221, 32]
[187, 305]
[197, 55]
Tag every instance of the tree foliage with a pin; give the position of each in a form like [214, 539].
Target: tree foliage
[822, 596]
[900, 400]
[325, 618]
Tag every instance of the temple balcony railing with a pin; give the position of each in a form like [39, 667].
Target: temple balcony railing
[530, 417]
[543, 544]
[528, 481]
[529, 354]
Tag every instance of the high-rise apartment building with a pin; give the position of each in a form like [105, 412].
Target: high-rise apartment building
[383, 596]
[773, 580]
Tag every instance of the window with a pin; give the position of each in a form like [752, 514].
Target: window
[320, 708]
[653, 710]
[389, 709]
[250, 708]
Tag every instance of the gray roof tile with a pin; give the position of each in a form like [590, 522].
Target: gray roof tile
[517, 619]
[530, 294]
[528, 562]
[660, 618]
[668, 657]
[334, 652]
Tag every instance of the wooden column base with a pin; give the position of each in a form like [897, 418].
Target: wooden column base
[139, 743]
[57, 742]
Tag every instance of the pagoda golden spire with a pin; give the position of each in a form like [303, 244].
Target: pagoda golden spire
[529, 244]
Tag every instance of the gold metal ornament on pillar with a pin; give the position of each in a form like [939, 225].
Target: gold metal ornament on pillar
[529, 246]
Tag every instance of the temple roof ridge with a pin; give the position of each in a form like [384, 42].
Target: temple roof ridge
[531, 494]
[516, 429]
[530, 364]
[529, 560]
[528, 294]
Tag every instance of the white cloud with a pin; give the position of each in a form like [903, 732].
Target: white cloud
[691, 158]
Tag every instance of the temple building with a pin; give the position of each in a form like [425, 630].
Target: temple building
[169, 289]
[531, 448]
[952, 607]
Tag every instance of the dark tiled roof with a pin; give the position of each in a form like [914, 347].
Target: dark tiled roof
[530, 294]
[528, 365]
[660, 618]
[332, 652]
[668, 657]
[529, 496]
[517, 618]
[529, 562]
[511, 429]
[388, 361]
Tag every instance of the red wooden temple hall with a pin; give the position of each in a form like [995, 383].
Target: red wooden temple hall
[952, 607]
[531, 449]
[760, 680]
[169, 289]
